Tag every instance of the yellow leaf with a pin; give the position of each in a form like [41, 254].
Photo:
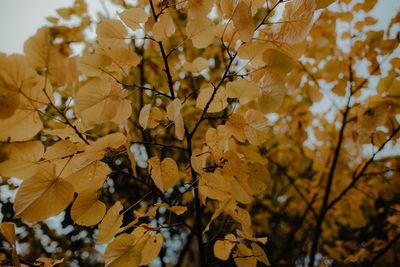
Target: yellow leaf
[119, 52]
[178, 210]
[133, 17]
[296, 21]
[277, 62]
[239, 193]
[43, 195]
[165, 174]
[8, 229]
[262, 240]
[201, 32]
[260, 254]
[41, 54]
[389, 85]
[272, 92]
[218, 103]
[243, 90]
[22, 159]
[100, 101]
[236, 125]
[243, 21]
[114, 140]
[21, 126]
[253, 52]
[110, 225]
[87, 210]
[150, 117]
[174, 114]
[196, 66]
[9, 102]
[48, 262]
[163, 28]
[111, 28]
[323, 3]
[93, 65]
[122, 252]
[151, 248]
[259, 177]
[257, 128]
[60, 150]
[243, 257]
[223, 248]
[90, 177]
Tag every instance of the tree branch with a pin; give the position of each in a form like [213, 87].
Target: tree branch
[384, 250]
[323, 211]
[164, 56]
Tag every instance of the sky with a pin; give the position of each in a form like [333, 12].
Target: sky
[19, 19]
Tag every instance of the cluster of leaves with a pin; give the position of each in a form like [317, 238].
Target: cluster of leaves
[183, 131]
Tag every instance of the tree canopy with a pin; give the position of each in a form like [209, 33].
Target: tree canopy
[203, 133]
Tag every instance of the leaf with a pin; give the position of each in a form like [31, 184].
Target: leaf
[43, 195]
[87, 210]
[257, 128]
[150, 117]
[22, 159]
[174, 114]
[132, 17]
[253, 52]
[260, 254]
[110, 225]
[389, 85]
[272, 92]
[8, 230]
[122, 55]
[90, 177]
[201, 32]
[196, 66]
[236, 125]
[112, 29]
[49, 262]
[100, 101]
[178, 210]
[223, 248]
[277, 62]
[163, 28]
[296, 21]
[9, 102]
[21, 126]
[151, 248]
[165, 174]
[243, 90]
[218, 103]
[243, 257]
[61, 149]
[122, 252]
[243, 21]
[93, 65]
[42, 54]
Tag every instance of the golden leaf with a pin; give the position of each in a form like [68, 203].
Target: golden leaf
[174, 114]
[87, 210]
[110, 225]
[223, 248]
[132, 17]
[165, 174]
[43, 195]
[163, 28]
[218, 103]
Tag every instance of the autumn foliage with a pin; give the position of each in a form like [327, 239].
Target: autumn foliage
[202, 132]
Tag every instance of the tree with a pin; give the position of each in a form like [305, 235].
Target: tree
[188, 134]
